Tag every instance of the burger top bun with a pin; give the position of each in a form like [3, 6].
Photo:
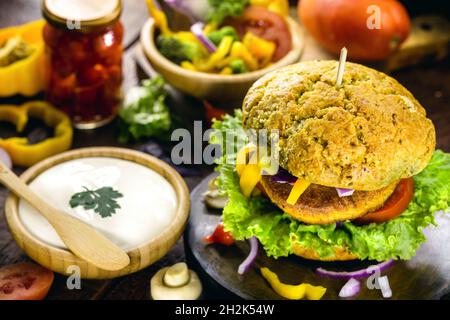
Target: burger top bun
[363, 135]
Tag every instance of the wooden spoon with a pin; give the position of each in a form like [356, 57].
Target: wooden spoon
[83, 240]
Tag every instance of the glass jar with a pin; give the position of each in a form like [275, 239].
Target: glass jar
[84, 59]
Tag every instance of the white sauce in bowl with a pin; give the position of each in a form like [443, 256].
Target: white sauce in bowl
[148, 205]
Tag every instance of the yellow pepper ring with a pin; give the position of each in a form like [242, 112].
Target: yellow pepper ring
[293, 292]
[24, 154]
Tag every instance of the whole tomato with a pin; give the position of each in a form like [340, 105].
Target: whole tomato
[371, 30]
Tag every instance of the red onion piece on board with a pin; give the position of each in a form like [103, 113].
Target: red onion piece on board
[363, 273]
[247, 263]
[350, 289]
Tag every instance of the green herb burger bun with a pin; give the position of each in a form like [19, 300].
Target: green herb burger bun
[369, 135]
[364, 135]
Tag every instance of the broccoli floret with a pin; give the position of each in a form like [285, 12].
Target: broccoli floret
[222, 9]
[217, 35]
[177, 50]
[238, 66]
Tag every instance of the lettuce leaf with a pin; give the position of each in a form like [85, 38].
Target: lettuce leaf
[398, 238]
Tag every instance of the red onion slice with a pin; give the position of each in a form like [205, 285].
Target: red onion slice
[350, 289]
[197, 30]
[386, 291]
[363, 273]
[344, 192]
[247, 263]
[283, 176]
[5, 158]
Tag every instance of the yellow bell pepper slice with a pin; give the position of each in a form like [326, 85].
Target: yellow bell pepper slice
[222, 51]
[250, 176]
[240, 51]
[209, 27]
[259, 48]
[226, 71]
[24, 154]
[241, 157]
[293, 292]
[188, 65]
[279, 6]
[26, 76]
[297, 190]
[160, 18]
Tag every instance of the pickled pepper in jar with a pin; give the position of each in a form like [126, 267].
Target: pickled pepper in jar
[84, 59]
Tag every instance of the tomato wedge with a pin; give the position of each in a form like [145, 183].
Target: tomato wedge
[24, 281]
[265, 24]
[394, 206]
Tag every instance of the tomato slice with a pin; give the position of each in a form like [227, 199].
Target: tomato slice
[265, 24]
[219, 236]
[24, 281]
[212, 112]
[394, 206]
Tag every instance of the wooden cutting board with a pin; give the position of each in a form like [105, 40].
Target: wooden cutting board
[426, 276]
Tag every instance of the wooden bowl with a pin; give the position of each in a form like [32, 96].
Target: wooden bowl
[213, 87]
[59, 260]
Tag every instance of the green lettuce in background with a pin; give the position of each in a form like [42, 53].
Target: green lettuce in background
[398, 238]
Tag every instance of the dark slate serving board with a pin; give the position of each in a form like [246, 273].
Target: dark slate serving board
[426, 276]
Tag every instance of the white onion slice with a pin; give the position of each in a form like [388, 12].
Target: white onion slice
[197, 30]
[5, 158]
[344, 192]
[386, 291]
[350, 289]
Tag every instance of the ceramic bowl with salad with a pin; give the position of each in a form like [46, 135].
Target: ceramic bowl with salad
[229, 45]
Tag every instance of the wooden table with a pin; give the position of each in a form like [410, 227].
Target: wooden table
[430, 85]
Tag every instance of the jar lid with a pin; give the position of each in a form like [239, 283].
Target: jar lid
[82, 15]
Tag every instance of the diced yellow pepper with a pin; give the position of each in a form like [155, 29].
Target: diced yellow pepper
[185, 36]
[250, 176]
[212, 26]
[188, 65]
[259, 48]
[299, 187]
[239, 51]
[293, 292]
[159, 16]
[226, 71]
[279, 6]
[241, 157]
[222, 51]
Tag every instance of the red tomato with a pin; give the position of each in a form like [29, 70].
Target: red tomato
[265, 24]
[394, 206]
[212, 112]
[24, 281]
[220, 236]
[345, 23]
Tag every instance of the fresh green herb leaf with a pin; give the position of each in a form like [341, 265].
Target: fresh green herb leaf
[145, 113]
[216, 36]
[102, 201]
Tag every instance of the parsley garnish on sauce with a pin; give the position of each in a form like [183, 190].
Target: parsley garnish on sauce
[102, 200]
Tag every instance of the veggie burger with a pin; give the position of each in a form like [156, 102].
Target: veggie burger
[358, 177]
